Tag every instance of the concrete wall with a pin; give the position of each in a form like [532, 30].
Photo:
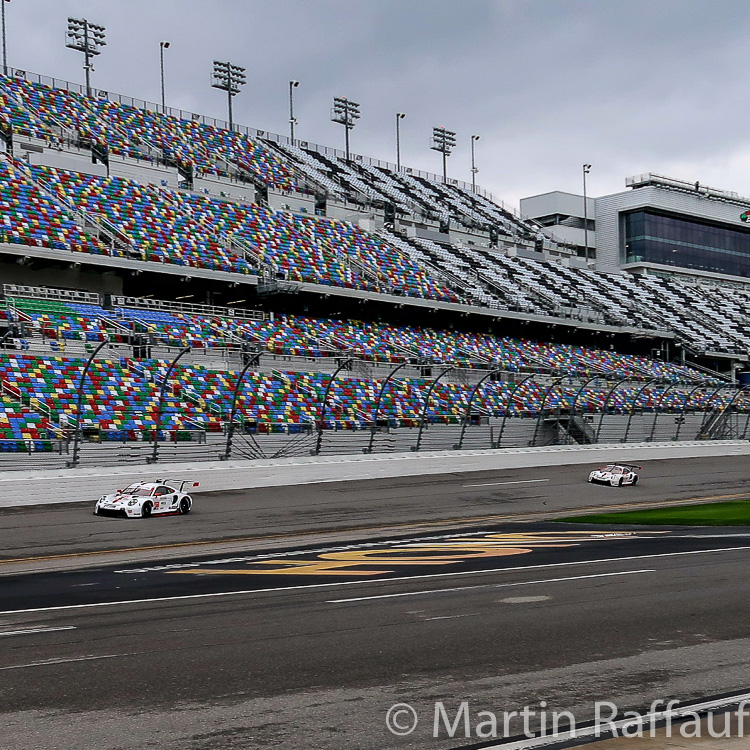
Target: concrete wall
[85, 485]
[298, 203]
[72, 162]
[556, 202]
[142, 171]
[468, 237]
[222, 188]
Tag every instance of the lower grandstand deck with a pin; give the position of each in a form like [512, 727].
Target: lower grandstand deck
[187, 376]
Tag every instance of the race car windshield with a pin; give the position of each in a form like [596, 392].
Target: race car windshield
[137, 491]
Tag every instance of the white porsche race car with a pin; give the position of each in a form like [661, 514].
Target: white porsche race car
[615, 474]
[146, 499]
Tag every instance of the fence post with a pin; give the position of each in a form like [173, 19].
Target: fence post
[155, 454]
[378, 401]
[579, 393]
[683, 410]
[549, 390]
[509, 405]
[253, 361]
[79, 403]
[634, 405]
[606, 402]
[427, 403]
[324, 404]
[467, 414]
[656, 410]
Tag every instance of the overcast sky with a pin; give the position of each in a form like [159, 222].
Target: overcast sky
[628, 85]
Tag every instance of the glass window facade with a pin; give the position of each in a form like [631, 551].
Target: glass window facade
[651, 237]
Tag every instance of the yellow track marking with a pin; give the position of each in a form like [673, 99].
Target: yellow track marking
[387, 527]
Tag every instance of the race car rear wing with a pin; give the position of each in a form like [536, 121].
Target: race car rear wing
[179, 484]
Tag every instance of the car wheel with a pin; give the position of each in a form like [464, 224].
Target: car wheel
[146, 510]
[619, 484]
[184, 506]
[635, 481]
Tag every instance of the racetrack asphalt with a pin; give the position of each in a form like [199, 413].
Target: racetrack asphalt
[278, 517]
[324, 638]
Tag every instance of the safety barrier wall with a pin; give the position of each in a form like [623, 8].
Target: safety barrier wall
[295, 441]
[86, 484]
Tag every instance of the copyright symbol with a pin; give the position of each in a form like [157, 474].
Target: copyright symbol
[401, 719]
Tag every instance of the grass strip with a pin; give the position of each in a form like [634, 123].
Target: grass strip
[711, 514]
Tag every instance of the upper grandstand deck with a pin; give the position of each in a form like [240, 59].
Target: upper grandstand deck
[202, 207]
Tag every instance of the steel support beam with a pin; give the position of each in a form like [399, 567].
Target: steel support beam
[155, 453]
[609, 395]
[426, 404]
[378, 400]
[253, 361]
[634, 404]
[467, 413]
[539, 418]
[79, 401]
[324, 403]
[509, 406]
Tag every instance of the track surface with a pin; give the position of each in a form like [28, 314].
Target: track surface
[367, 508]
[321, 641]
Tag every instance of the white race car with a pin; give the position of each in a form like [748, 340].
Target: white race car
[146, 499]
[615, 474]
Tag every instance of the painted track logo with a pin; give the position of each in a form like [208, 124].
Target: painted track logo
[387, 558]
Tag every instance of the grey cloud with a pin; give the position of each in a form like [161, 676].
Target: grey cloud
[628, 85]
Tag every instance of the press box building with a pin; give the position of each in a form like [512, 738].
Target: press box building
[658, 226]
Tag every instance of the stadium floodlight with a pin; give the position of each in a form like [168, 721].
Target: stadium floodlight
[474, 170]
[162, 47]
[5, 49]
[443, 141]
[399, 116]
[87, 38]
[586, 170]
[229, 78]
[346, 113]
[292, 119]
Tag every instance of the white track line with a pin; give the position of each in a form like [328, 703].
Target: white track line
[53, 662]
[220, 594]
[32, 631]
[488, 586]
[517, 481]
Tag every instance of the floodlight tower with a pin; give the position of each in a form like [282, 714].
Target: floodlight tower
[162, 47]
[474, 170]
[5, 49]
[346, 113]
[399, 116]
[87, 38]
[586, 170]
[443, 141]
[229, 78]
[292, 119]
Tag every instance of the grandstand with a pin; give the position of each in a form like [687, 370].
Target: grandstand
[335, 303]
